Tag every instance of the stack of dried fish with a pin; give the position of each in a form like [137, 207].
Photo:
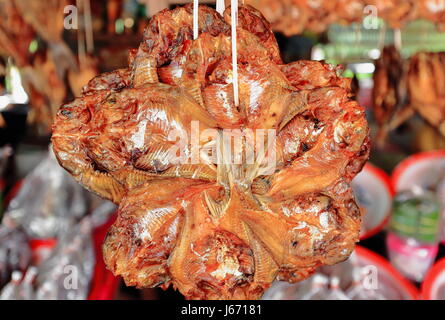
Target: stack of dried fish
[390, 93]
[295, 16]
[212, 226]
[15, 34]
[433, 10]
[405, 87]
[44, 72]
[426, 85]
[46, 17]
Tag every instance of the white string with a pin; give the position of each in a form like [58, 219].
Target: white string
[234, 13]
[220, 6]
[398, 39]
[89, 27]
[195, 19]
[81, 51]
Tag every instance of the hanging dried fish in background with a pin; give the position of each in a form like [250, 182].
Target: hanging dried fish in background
[15, 34]
[42, 16]
[43, 72]
[433, 10]
[293, 17]
[426, 84]
[403, 87]
[390, 93]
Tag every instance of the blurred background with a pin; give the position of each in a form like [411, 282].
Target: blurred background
[51, 229]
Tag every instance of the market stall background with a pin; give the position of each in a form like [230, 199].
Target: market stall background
[391, 58]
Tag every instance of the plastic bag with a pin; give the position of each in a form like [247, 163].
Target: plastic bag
[5, 153]
[15, 253]
[338, 283]
[67, 274]
[50, 205]
[49, 202]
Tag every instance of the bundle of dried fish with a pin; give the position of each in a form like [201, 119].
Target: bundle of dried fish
[47, 90]
[433, 10]
[295, 16]
[46, 17]
[43, 72]
[426, 84]
[15, 34]
[395, 12]
[405, 87]
[390, 93]
[281, 13]
[217, 228]
[349, 11]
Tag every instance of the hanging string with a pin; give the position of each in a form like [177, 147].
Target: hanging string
[89, 27]
[195, 19]
[234, 13]
[220, 6]
[398, 39]
[81, 51]
[382, 38]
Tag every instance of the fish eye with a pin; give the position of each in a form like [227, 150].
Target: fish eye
[66, 113]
